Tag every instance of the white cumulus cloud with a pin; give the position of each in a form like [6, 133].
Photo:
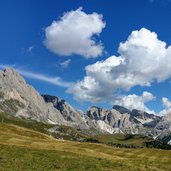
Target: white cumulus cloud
[134, 101]
[143, 59]
[74, 33]
[165, 111]
[98, 83]
[166, 102]
[167, 106]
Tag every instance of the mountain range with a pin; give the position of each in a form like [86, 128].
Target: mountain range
[21, 100]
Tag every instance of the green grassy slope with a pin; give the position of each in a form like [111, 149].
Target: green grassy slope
[25, 149]
[37, 126]
[64, 132]
[127, 141]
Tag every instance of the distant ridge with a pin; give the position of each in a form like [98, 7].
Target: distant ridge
[22, 100]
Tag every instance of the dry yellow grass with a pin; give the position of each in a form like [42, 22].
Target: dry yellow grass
[124, 159]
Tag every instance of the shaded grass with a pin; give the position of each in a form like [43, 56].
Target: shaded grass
[69, 133]
[127, 140]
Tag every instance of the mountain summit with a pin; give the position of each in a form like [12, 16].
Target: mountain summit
[22, 100]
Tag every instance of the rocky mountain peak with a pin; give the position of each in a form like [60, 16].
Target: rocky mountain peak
[97, 113]
[20, 99]
[57, 102]
[121, 109]
[67, 111]
[10, 73]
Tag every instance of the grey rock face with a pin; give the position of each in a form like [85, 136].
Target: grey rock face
[165, 122]
[96, 113]
[163, 127]
[120, 123]
[123, 120]
[121, 109]
[22, 100]
[71, 115]
[149, 120]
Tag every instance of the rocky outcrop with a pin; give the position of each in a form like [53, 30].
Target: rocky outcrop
[121, 109]
[122, 120]
[149, 120]
[71, 115]
[118, 122]
[163, 127]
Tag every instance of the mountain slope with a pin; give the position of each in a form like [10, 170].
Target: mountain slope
[19, 99]
[163, 128]
[68, 112]
[22, 100]
[122, 120]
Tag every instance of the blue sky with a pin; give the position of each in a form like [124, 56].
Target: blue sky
[80, 58]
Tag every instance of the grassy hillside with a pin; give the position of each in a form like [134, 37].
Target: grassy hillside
[37, 126]
[69, 133]
[63, 132]
[25, 149]
[125, 140]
